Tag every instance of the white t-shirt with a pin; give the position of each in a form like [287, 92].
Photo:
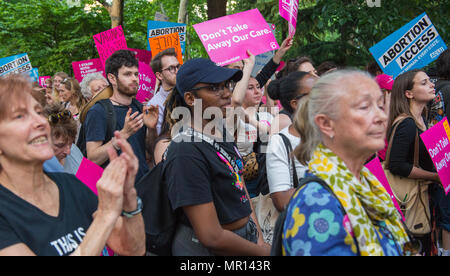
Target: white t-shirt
[159, 99]
[277, 163]
[247, 133]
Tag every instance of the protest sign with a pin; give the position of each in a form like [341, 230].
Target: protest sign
[227, 39]
[147, 82]
[86, 67]
[142, 55]
[415, 45]
[89, 173]
[436, 140]
[108, 42]
[158, 28]
[43, 81]
[376, 169]
[289, 11]
[16, 65]
[34, 74]
[163, 42]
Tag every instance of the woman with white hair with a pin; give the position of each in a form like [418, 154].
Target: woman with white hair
[93, 84]
[342, 209]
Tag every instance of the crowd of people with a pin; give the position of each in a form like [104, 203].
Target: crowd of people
[236, 151]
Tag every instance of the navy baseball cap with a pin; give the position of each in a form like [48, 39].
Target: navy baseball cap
[202, 70]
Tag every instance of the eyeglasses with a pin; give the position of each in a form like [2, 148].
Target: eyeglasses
[56, 117]
[217, 88]
[173, 68]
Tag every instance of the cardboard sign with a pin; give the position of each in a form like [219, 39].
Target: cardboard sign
[227, 39]
[376, 169]
[436, 140]
[163, 42]
[86, 67]
[109, 41]
[43, 81]
[415, 45]
[158, 28]
[289, 11]
[142, 55]
[89, 173]
[147, 82]
[17, 64]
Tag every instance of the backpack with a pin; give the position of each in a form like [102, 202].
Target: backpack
[159, 219]
[277, 242]
[259, 148]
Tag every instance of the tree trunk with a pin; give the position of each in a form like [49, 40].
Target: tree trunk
[216, 8]
[182, 11]
[115, 10]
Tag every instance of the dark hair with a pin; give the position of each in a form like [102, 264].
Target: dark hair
[325, 67]
[156, 62]
[66, 127]
[286, 89]
[399, 102]
[373, 68]
[443, 65]
[117, 60]
[292, 65]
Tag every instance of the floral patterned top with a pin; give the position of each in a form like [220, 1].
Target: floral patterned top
[317, 225]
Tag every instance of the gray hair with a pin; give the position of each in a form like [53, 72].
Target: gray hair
[321, 100]
[85, 89]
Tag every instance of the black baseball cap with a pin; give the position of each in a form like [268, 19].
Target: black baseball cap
[202, 70]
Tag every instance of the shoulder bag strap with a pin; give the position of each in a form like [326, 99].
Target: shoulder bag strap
[397, 122]
[291, 160]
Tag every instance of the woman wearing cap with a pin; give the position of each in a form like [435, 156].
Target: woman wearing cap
[344, 210]
[203, 168]
[54, 213]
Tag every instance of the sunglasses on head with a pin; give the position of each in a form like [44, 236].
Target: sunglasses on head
[57, 117]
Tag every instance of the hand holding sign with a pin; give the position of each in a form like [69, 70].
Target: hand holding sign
[163, 42]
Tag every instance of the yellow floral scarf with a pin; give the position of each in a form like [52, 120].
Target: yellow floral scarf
[364, 201]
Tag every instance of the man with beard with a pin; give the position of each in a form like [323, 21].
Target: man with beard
[122, 71]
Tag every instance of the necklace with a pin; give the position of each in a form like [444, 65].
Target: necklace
[117, 103]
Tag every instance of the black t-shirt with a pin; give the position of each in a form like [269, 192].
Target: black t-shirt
[196, 173]
[402, 153]
[22, 222]
[96, 131]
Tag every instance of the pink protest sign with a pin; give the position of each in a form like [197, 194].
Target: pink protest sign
[86, 67]
[89, 173]
[436, 140]
[289, 11]
[376, 169]
[142, 55]
[147, 82]
[42, 81]
[109, 41]
[227, 39]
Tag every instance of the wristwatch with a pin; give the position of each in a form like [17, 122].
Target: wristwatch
[135, 212]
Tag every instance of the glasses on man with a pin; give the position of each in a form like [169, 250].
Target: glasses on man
[173, 68]
[56, 117]
[218, 88]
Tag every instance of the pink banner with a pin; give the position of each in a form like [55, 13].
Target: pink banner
[376, 169]
[289, 11]
[147, 82]
[42, 81]
[227, 39]
[436, 140]
[109, 41]
[142, 55]
[86, 67]
[89, 173]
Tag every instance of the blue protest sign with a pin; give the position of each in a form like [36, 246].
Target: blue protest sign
[414, 45]
[15, 64]
[157, 28]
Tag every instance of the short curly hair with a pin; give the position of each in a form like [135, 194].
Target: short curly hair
[66, 127]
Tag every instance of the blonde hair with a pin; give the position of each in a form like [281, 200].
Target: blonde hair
[321, 100]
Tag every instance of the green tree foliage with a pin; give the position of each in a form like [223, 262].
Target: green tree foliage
[54, 34]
